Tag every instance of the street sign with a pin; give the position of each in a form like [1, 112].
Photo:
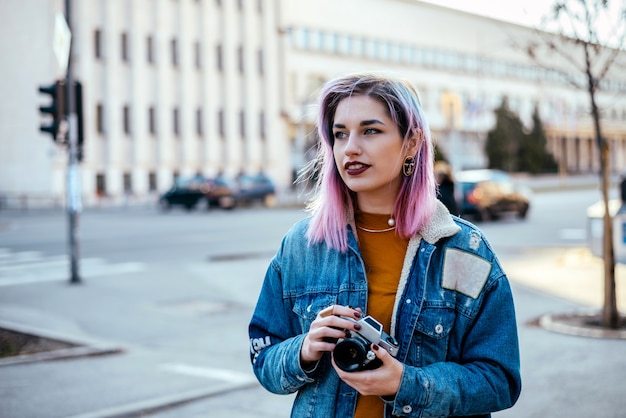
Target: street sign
[61, 41]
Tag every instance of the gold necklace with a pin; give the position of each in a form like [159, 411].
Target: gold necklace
[376, 230]
[391, 222]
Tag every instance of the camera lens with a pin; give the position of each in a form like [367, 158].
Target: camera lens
[350, 354]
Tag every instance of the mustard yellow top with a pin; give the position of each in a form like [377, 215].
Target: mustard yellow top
[383, 254]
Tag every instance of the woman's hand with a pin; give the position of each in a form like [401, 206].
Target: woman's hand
[382, 381]
[324, 332]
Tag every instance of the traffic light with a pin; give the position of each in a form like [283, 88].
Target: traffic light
[78, 103]
[56, 109]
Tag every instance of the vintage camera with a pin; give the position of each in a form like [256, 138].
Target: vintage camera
[353, 353]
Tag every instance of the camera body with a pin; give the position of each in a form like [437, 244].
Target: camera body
[353, 352]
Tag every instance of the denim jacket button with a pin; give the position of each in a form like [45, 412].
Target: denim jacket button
[438, 329]
[407, 409]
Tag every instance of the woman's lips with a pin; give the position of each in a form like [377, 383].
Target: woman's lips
[355, 168]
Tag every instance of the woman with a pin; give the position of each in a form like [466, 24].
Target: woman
[380, 244]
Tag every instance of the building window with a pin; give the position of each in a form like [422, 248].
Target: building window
[126, 119]
[317, 40]
[97, 43]
[332, 44]
[199, 126]
[174, 50]
[220, 123]
[124, 46]
[152, 181]
[100, 118]
[359, 47]
[240, 58]
[128, 184]
[218, 58]
[302, 38]
[260, 62]
[150, 49]
[242, 123]
[197, 49]
[175, 121]
[345, 44]
[262, 124]
[151, 120]
[101, 185]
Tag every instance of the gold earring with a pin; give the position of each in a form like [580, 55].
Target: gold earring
[408, 168]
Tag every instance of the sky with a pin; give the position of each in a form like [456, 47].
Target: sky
[527, 12]
[530, 12]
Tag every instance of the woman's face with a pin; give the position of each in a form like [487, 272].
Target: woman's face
[368, 152]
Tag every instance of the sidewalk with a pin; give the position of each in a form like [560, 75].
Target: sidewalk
[176, 347]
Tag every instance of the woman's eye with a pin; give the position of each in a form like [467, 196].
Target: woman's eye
[339, 135]
[370, 131]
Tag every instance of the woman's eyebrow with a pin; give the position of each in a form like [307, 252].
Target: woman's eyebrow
[362, 123]
[371, 122]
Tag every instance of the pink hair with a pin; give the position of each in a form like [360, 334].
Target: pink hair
[334, 205]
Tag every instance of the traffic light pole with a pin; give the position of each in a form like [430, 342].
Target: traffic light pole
[74, 204]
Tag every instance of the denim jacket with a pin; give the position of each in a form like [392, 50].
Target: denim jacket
[453, 318]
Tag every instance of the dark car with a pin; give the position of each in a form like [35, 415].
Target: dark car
[487, 194]
[256, 188]
[189, 192]
[221, 191]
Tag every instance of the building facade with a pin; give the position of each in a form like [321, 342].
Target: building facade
[183, 87]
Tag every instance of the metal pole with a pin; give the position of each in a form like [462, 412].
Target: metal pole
[73, 185]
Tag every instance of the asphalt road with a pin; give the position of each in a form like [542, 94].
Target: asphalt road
[147, 235]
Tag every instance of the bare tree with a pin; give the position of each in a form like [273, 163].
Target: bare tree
[588, 36]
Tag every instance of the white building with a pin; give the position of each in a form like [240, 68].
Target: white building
[179, 87]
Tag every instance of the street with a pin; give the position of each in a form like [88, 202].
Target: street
[175, 290]
[148, 236]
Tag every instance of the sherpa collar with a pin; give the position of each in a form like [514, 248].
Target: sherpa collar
[440, 225]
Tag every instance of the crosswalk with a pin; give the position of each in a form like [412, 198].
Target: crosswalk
[23, 267]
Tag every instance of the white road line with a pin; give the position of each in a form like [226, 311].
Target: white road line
[20, 257]
[225, 375]
[31, 267]
[42, 263]
[573, 234]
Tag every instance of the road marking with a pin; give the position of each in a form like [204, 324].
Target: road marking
[573, 234]
[8, 258]
[225, 375]
[32, 267]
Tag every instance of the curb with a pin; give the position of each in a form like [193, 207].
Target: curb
[582, 324]
[83, 346]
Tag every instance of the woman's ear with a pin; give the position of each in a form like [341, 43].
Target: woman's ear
[414, 143]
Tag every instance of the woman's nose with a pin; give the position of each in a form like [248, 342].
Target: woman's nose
[352, 146]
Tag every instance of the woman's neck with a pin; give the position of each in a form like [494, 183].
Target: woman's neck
[375, 204]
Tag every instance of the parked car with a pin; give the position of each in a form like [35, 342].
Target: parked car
[221, 191]
[189, 192]
[256, 188]
[487, 194]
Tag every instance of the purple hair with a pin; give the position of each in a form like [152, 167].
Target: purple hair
[334, 205]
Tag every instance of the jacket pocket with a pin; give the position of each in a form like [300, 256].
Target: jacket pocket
[308, 305]
[432, 334]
